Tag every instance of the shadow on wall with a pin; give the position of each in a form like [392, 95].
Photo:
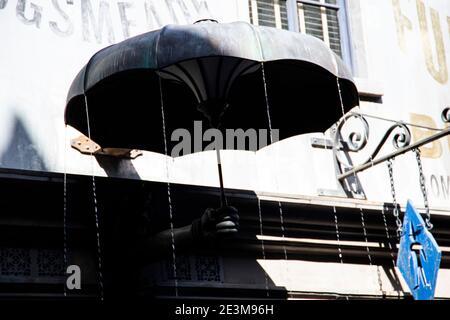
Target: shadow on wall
[131, 209]
[115, 168]
[21, 152]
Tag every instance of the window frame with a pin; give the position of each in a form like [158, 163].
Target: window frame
[341, 7]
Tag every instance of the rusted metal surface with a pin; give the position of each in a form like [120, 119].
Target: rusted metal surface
[86, 146]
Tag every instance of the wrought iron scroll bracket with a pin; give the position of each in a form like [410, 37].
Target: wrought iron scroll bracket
[346, 171]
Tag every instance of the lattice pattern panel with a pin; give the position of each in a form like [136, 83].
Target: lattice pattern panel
[183, 267]
[50, 263]
[208, 269]
[15, 262]
[26, 264]
[195, 268]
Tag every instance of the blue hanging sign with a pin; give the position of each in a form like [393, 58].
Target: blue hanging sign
[419, 267]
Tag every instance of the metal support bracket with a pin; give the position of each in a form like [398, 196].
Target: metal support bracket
[394, 154]
[346, 172]
[339, 193]
[86, 146]
[327, 144]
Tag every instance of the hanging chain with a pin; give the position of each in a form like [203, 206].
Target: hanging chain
[424, 190]
[398, 222]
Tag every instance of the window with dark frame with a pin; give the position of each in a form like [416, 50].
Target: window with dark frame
[319, 18]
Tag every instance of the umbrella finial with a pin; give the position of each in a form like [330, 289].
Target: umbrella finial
[206, 20]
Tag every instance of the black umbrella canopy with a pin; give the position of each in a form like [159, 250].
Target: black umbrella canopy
[208, 71]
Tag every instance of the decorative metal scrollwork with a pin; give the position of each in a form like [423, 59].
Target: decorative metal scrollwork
[356, 141]
[446, 115]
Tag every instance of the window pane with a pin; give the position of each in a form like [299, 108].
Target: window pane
[270, 13]
[322, 23]
[313, 21]
[284, 19]
[266, 13]
[250, 11]
[316, 20]
[333, 31]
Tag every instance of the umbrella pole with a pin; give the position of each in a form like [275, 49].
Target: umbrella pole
[223, 199]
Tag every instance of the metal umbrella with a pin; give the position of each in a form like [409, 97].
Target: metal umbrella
[224, 74]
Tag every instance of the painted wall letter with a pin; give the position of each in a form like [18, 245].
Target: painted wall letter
[104, 18]
[448, 22]
[126, 22]
[54, 26]
[3, 4]
[153, 19]
[403, 24]
[445, 182]
[37, 13]
[448, 137]
[439, 72]
[433, 149]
